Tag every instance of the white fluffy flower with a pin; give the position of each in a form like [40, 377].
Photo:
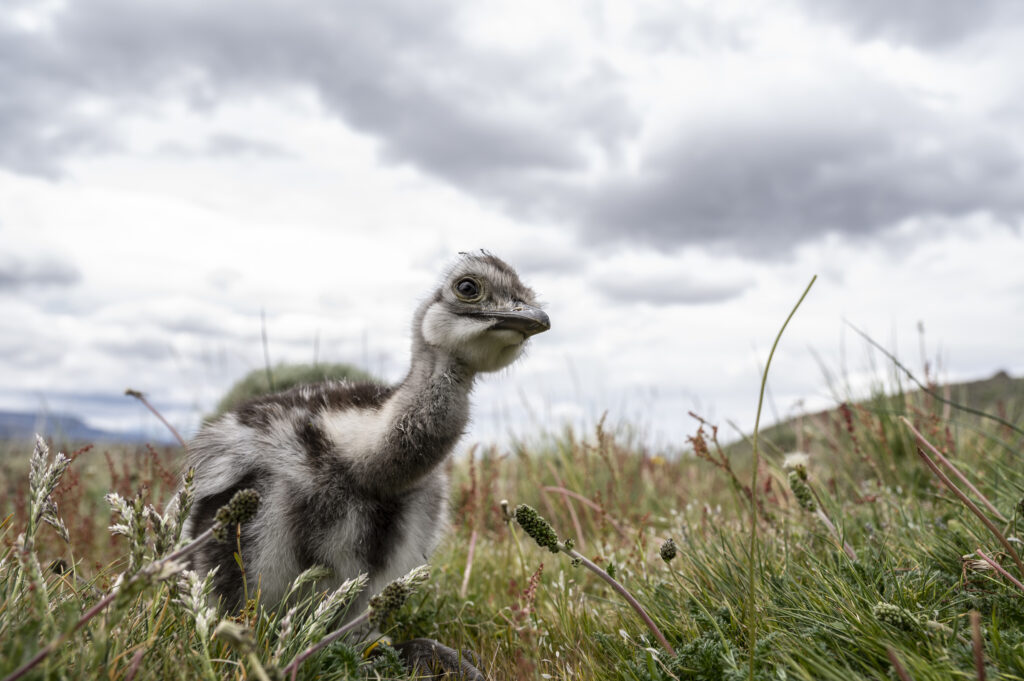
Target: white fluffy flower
[795, 460]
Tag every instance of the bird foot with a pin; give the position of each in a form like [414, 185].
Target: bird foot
[432, 660]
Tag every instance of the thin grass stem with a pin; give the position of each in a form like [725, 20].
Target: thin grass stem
[962, 407]
[100, 606]
[751, 619]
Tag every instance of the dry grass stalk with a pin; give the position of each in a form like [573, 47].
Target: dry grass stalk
[963, 497]
[978, 645]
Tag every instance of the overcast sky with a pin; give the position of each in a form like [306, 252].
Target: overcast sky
[668, 175]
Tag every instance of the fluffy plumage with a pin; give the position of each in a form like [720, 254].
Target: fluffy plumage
[349, 473]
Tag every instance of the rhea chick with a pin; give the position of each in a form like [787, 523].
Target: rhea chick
[350, 475]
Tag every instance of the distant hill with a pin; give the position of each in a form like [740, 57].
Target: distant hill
[24, 425]
[1001, 395]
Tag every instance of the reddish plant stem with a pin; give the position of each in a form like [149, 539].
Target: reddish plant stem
[978, 645]
[1000, 569]
[142, 398]
[956, 471]
[964, 498]
[621, 590]
[469, 565]
[573, 517]
[901, 671]
[587, 502]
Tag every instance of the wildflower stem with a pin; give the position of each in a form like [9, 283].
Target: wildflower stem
[751, 621]
[1000, 569]
[956, 471]
[978, 644]
[469, 565]
[963, 497]
[142, 398]
[622, 591]
[901, 671]
[827, 522]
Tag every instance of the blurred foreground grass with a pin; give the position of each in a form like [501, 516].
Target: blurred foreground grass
[869, 571]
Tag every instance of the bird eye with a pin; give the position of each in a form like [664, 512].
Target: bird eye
[467, 289]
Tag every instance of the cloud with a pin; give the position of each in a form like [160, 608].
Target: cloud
[930, 24]
[151, 348]
[225, 145]
[398, 70]
[18, 272]
[855, 159]
[666, 289]
[547, 129]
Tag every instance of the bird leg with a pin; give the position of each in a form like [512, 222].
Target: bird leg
[432, 660]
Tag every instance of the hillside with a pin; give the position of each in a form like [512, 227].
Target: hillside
[1001, 395]
[69, 431]
[24, 425]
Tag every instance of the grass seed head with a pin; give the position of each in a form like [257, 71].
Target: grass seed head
[537, 527]
[668, 550]
[236, 635]
[801, 490]
[394, 595]
[240, 509]
[894, 616]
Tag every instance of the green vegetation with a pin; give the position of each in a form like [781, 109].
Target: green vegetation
[868, 565]
[258, 381]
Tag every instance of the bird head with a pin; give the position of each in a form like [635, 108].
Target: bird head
[482, 314]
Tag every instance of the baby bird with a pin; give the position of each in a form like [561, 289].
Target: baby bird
[350, 475]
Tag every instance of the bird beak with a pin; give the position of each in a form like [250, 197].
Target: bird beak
[526, 319]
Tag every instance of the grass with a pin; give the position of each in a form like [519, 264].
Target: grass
[866, 563]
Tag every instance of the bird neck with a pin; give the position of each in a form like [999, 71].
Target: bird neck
[426, 415]
[435, 393]
[438, 383]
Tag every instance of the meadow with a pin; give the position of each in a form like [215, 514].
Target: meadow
[866, 564]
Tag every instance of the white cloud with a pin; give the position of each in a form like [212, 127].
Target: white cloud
[631, 160]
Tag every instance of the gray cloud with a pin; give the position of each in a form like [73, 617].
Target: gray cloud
[227, 146]
[18, 273]
[924, 23]
[149, 349]
[534, 256]
[690, 30]
[523, 129]
[666, 289]
[398, 70]
[763, 184]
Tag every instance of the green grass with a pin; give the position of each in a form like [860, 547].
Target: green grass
[528, 613]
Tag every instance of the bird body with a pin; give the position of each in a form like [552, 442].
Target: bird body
[349, 473]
